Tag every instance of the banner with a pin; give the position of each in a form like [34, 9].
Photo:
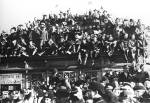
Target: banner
[13, 78]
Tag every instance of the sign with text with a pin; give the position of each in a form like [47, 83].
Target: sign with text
[13, 78]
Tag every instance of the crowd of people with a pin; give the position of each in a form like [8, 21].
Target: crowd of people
[89, 35]
[129, 86]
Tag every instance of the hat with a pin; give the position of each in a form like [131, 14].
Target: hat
[79, 82]
[95, 86]
[44, 15]
[109, 87]
[139, 70]
[63, 87]
[127, 84]
[20, 25]
[14, 28]
[125, 19]
[104, 78]
[62, 92]
[131, 20]
[42, 23]
[55, 70]
[126, 87]
[3, 31]
[147, 79]
[139, 88]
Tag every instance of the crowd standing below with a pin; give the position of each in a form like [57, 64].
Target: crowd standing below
[129, 86]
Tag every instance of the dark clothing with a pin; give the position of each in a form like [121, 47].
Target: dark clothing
[124, 77]
[108, 96]
[34, 36]
[141, 44]
[109, 27]
[6, 100]
[84, 46]
[13, 36]
[141, 77]
[54, 79]
[127, 29]
[132, 30]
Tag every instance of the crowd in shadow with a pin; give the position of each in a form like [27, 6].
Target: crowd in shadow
[128, 86]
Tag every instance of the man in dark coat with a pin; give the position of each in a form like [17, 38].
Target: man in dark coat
[125, 76]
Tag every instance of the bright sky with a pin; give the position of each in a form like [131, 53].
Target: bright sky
[14, 12]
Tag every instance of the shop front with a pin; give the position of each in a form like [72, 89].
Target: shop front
[10, 82]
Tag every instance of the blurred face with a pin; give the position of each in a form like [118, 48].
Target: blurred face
[81, 86]
[133, 37]
[53, 29]
[90, 27]
[125, 23]
[139, 22]
[42, 25]
[90, 95]
[148, 90]
[147, 84]
[35, 19]
[48, 100]
[85, 34]
[116, 83]
[129, 91]
[117, 21]
[103, 37]
[89, 101]
[132, 23]
[88, 38]
[111, 37]
[106, 21]
[125, 70]
[119, 28]
[62, 39]
[126, 36]
[84, 41]
[15, 94]
[137, 30]
[66, 77]
[60, 16]
[142, 27]
[95, 39]
[19, 28]
[105, 13]
[141, 36]
[110, 88]
[26, 92]
[100, 13]
[44, 17]
[12, 31]
[84, 18]
[139, 93]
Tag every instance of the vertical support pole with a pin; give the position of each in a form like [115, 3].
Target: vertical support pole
[26, 78]
[47, 78]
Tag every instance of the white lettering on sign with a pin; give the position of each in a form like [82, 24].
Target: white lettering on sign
[14, 78]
